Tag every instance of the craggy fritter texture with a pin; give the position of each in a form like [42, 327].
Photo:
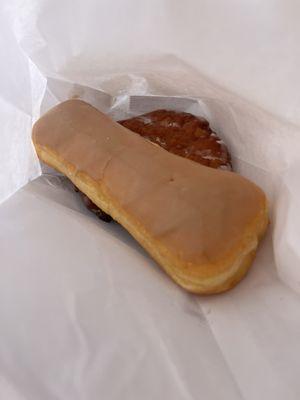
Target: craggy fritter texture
[180, 133]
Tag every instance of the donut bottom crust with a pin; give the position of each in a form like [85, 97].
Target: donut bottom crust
[237, 264]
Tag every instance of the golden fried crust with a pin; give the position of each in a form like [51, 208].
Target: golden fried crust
[200, 224]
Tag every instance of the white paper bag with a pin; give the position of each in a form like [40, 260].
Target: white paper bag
[84, 312]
